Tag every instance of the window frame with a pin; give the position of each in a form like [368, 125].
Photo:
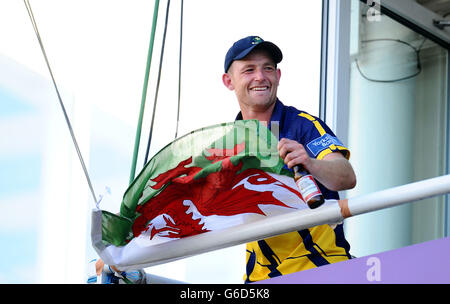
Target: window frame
[335, 60]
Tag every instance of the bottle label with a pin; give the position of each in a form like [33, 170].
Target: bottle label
[308, 187]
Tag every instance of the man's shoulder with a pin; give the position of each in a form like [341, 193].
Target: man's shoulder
[292, 114]
[304, 123]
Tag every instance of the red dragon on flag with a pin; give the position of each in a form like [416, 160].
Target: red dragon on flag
[210, 179]
[183, 208]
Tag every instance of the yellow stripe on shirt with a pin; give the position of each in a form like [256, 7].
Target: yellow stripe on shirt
[332, 148]
[315, 122]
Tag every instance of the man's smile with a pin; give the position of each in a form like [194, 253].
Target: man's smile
[260, 88]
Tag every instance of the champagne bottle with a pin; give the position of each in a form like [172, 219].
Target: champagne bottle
[308, 187]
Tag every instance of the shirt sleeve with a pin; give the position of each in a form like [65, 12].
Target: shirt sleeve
[318, 139]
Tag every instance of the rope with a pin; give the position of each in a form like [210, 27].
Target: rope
[157, 84]
[80, 157]
[144, 92]
[179, 69]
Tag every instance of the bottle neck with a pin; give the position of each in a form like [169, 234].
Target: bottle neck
[299, 170]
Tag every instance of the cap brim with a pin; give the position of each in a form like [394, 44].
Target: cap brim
[268, 46]
[273, 50]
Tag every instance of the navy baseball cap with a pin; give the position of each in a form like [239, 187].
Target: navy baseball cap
[244, 46]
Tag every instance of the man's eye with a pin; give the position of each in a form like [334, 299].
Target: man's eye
[248, 70]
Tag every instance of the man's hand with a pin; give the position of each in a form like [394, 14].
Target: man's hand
[293, 153]
[334, 171]
[111, 275]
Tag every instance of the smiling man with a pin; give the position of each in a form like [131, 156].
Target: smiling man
[251, 72]
[255, 79]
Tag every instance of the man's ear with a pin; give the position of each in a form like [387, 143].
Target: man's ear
[226, 79]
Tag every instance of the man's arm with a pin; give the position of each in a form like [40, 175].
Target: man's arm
[334, 171]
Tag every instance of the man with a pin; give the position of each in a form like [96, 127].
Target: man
[251, 71]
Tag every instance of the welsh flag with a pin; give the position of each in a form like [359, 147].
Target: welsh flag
[210, 179]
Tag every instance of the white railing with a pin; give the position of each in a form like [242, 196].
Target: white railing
[330, 212]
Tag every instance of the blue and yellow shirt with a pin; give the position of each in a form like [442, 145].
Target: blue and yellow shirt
[304, 249]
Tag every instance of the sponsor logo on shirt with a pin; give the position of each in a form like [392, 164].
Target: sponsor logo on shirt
[319, 144]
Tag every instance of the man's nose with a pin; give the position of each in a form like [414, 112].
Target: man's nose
[259, 74]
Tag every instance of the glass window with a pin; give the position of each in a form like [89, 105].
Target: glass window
[397, 128]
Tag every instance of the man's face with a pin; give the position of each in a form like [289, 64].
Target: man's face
[255, 81]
